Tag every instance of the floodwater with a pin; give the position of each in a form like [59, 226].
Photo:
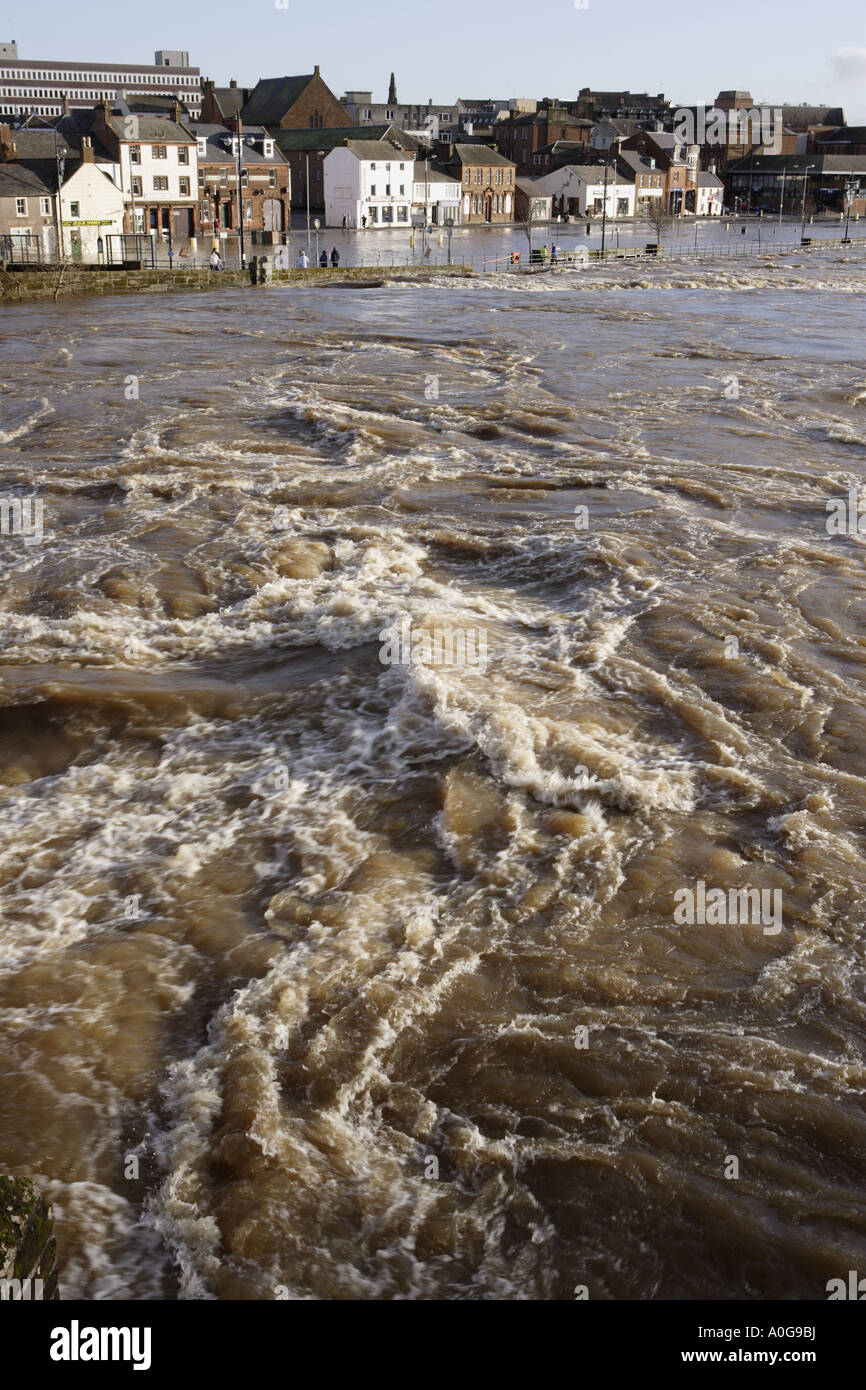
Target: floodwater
[332, 978]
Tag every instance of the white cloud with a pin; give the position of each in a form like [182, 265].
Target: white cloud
[849, 64]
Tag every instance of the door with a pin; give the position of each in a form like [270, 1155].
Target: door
[75, 244]
[272, 215]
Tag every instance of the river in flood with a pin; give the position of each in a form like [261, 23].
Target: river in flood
[333, 977]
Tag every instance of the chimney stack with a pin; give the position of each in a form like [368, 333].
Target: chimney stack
[7, 145]
[86, 150]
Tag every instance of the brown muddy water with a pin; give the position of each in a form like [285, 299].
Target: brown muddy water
[336, 979]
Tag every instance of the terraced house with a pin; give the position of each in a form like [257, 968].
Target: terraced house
[487, 181]
[264, 197]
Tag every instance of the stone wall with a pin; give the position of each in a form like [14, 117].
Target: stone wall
[28, 1252]
[21, 286]
[28, 285]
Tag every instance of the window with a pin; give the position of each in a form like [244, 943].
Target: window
[45, 207]
[159, 152]
[248, 211]
[272, 178]
[20, 207]
[202, 146]
[183, 154]
[477, 175]
[373, 164]
[184, 188]
[135, 154]
[499, 172]
[74, 209]
[268, 149]
[374, 214]
[205, 212]
[372, 190]
[402, 190]
[387, 190]
[224, 178]
[403, 214]
[136, 187]
[160, 184]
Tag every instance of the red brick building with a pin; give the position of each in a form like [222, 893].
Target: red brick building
[295, 103]
[521, 136]
[487, 182]
[265, 191]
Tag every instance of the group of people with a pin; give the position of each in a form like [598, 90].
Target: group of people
[304, 260]
[550, 253]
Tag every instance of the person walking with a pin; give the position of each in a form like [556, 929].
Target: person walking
[554, 252]
[303, 260]
[345, 223]
[323, 260]
[363, 224]
[215, 263]
[335, 256]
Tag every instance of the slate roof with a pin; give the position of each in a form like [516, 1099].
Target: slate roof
[799, 117]
[797, 164]
[39, 143]
[219, 147]
[379, 149]
[433, 174]
[708, 180]
[327, 138]
[844, 135]
[230, 100]
[272, 97]
[469, 154]
[23, 181]
[153, 129]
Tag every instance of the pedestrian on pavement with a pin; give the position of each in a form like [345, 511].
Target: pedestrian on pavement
[345, 223]
[303, 260]
[215, 263]
[335, 255]
[363, 224]
[323, 260]
[554, 252]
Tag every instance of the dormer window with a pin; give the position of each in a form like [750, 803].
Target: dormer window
[202, 146]
[268, 149]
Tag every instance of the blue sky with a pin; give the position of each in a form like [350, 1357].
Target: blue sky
[780, 50]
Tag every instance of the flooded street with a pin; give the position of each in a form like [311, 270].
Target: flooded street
[323, 977]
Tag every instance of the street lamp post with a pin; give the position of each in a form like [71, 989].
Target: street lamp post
[849, 198]
[449, 227]
[805, 186]
[240, 171]
[604, 204]
[317, 224]
[308, 201]
[782, 196]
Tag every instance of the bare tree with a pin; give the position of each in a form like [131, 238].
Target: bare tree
[659, 220]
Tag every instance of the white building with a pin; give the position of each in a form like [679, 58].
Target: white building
[370, 183]
[581, 189]
[39, 86]
[436, 193]
[91, 208]
[709, 194]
